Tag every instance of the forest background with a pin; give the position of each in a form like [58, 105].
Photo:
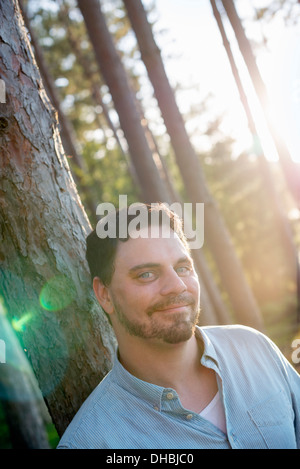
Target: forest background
[251, 177]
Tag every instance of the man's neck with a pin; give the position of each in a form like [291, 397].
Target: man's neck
[166, 365]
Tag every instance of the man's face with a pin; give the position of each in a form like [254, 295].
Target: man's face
[154, 290]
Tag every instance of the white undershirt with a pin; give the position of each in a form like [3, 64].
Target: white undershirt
[214, 412]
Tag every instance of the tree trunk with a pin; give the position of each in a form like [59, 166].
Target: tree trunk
[19, 394]
[115, 77]
[281, 222]
[216, 233]
[44, 278]
[290, 169]
[68, 137]
[95, 87]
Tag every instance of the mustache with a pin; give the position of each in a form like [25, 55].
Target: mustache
[183, 299]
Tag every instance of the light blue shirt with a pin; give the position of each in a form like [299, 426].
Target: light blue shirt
[259, 388]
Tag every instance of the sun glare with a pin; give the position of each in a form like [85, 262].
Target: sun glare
[284, 86]
[202, 62]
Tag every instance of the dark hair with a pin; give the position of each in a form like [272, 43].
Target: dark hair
[100, 252]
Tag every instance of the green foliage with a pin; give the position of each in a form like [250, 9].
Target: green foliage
[107, 177]
[52, 435]
[71, 63]
[5, 441]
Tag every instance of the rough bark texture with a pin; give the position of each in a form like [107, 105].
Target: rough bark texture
[42, 237]
[216, 234]
[19, 394]
[67, 134]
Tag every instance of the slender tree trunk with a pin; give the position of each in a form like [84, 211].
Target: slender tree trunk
[44, 277]
[280, 219]
[95, 86]
[216, 233]
[290, 169]
[116, 79]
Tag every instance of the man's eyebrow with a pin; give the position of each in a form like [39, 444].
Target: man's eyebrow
[143, 266]
[155, 264]
[184, 259]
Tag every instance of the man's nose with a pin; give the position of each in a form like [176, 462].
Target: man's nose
[172, 283]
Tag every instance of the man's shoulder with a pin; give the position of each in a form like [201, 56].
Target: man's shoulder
[236, 336]
[232, 331]
[93, 409]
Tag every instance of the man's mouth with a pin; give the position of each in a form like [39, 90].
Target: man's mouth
[177, 306]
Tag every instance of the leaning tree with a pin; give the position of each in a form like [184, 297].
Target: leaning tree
[44, 280]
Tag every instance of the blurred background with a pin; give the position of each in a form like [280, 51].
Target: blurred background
[234, 70]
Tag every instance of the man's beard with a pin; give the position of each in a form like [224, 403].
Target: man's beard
[178, 329]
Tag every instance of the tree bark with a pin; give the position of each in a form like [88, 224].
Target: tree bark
[19, 394]
[67, 133]
[216, 233]
[116, 79]
[44, 275]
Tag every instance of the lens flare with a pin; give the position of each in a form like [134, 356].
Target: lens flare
[2, 307]
[20, 324]
[57, 293]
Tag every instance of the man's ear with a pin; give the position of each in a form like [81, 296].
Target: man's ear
[103, 295]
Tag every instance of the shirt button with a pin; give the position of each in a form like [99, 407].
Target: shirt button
[170, 395]
[189, 416]
[155, 407]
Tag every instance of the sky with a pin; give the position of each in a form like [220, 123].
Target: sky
[191, 34]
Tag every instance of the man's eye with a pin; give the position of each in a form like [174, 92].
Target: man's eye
[183, 270]
[146, 275]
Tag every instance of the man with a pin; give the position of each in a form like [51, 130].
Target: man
[175, 385]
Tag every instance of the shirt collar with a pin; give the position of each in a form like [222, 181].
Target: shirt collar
[142, 389]
[151, 392]
[209, 352]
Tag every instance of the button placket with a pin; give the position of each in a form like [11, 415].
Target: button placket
[170, 401]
